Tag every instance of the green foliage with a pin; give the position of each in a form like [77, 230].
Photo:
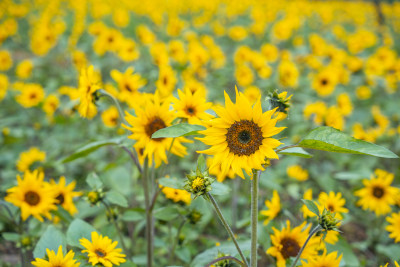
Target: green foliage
[171, 182]
[296, 151]
[178, 130]
[311, 206]
[78, 229]
[117, 198]
[51, 239]
[94, 181]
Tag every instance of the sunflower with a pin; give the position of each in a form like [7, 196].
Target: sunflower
[297, 172]
[102, 250]
[216, 170]
[110, 117]
[192, 106]
[3, 86]
[177, 195]
[151, 117]
[332, 202]
[166, 80]
[57, 260]
[89, 83]
[34, 196]
[378, 195]
[27, 158]
[240, 137]
[325, 82]
[394, 226]
[24, 69]
[31, 95]
[65, 194]
[128, 83]
[274, 207]
[288, 242]
[324, 260]
[50, 105]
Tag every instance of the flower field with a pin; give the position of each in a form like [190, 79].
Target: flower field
[199, 133]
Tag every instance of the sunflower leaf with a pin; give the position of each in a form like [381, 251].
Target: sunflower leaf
[89, 148]
[170, 182]
[117, 198]
[296, 151]
[311, 206]
[94, 181]
[330, 139]
[51, 239]
[178, 130]
[218, 189]
[78, 229]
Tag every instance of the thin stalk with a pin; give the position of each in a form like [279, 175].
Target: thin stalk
[116, 102]
[234, 203]
[254, 218]
[127, 252]
[286, 147]
[226, 225]
[22, 252]
[149, 217]
[226, 258]
[314, 231]
[134, 158]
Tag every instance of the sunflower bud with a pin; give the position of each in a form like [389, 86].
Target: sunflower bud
[198, 183]
[222, 263]
[194, 216]
[327, 220]
[94, 197]
[281, 102]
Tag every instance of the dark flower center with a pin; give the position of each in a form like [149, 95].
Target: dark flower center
[378, 192]
[128, 88]
[331, 208]
[60, 199]
[32, 198]
[244, 137]
[290, 247]
[190, 110]
[324, 81]
[155, 125]
[32, 96]
[101, 253]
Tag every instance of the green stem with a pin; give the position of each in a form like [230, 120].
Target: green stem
[314, 231]
[116, 102]
[286, 147]
[127, 252]
[226, 225]
[254, 218]
[22, 252]
[172, 255]
[149, 217]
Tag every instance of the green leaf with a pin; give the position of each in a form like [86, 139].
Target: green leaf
[79, 229]
[133, 215]
[14, 237]
[166, 213]
[296, 151]
[89, 148]
[219, 189]
[201, 163]
[51, 239]
[63, 214]
[351, 176]
[330, 139]
[170, 182]
[391, 251]
[94, 181]
[177, 130]
[117, 198]
[311, 206]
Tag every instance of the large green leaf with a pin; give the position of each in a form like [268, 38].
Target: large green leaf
[89, 148]
[52, 238]
[94, 181]
[311, 206]
[177, 130]
[296, 151]
[117, 198]
[218, 188]
[330, 139]
[166, 213]
[78, 229]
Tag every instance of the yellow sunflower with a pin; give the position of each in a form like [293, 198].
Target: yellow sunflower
[33, 196]
[151, 117]
[31, 95]
[3, 86]
[288, 242]
[110, 117]
[128, 83]
[325, 82]
[177, 195]
[324, 260]
[27, 158]
[216, 170]
[192, 106]
[274, 207]
[377, 194]
[332, 202]
[297, 172]
[394, 226]
[240, 137]
[57, 260]
[89, 83]
[65, 194]
[102, 250]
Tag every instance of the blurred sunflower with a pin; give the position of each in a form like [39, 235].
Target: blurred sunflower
[324, 260]
[31, 95]
[274, 207]
[128, 83]
[57, 259]
[33, 196]
[288, 242]
[377, 194]
[89, 83]
[240, 137]
[297, 172]
[177, 195]
[332, 202]
[24, 69]
[27, 158]
[102, 250]
[394, 226]
[110, 117]
[65, 194]
[3, 86]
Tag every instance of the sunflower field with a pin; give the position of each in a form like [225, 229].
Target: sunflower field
[199, 133]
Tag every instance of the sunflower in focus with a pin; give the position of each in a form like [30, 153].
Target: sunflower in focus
[102, 250]
[216, 170]
[394, 226]
[151, 117]
[89, 83]
[192, 106]
[33, 196]
[27, 158]
[288, 242]
[240, 137]
[65, 194]
[274, 207]
[57, 259]
[324, 260]
[377, 194]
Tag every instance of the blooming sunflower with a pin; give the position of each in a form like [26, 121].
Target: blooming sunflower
[240, 137]
[274, 207]
[394, 227]
[110, 117]
[332, 202]
[297, 172]
[216, 170]
[89, 83]
[34, 196]
[378, 195]
[192, 106]
[128, 83]
[57, 260]
[27, 158]
[151, 117]
[102, 250]
[324, 260]
[31, 95]
[65, 194]
[288, 242]
[177, 195]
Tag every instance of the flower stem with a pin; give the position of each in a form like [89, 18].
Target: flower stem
[254, 218]
[314, 231]
[149, 217]
[286, 147]
[121, 113]
[226, 225]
